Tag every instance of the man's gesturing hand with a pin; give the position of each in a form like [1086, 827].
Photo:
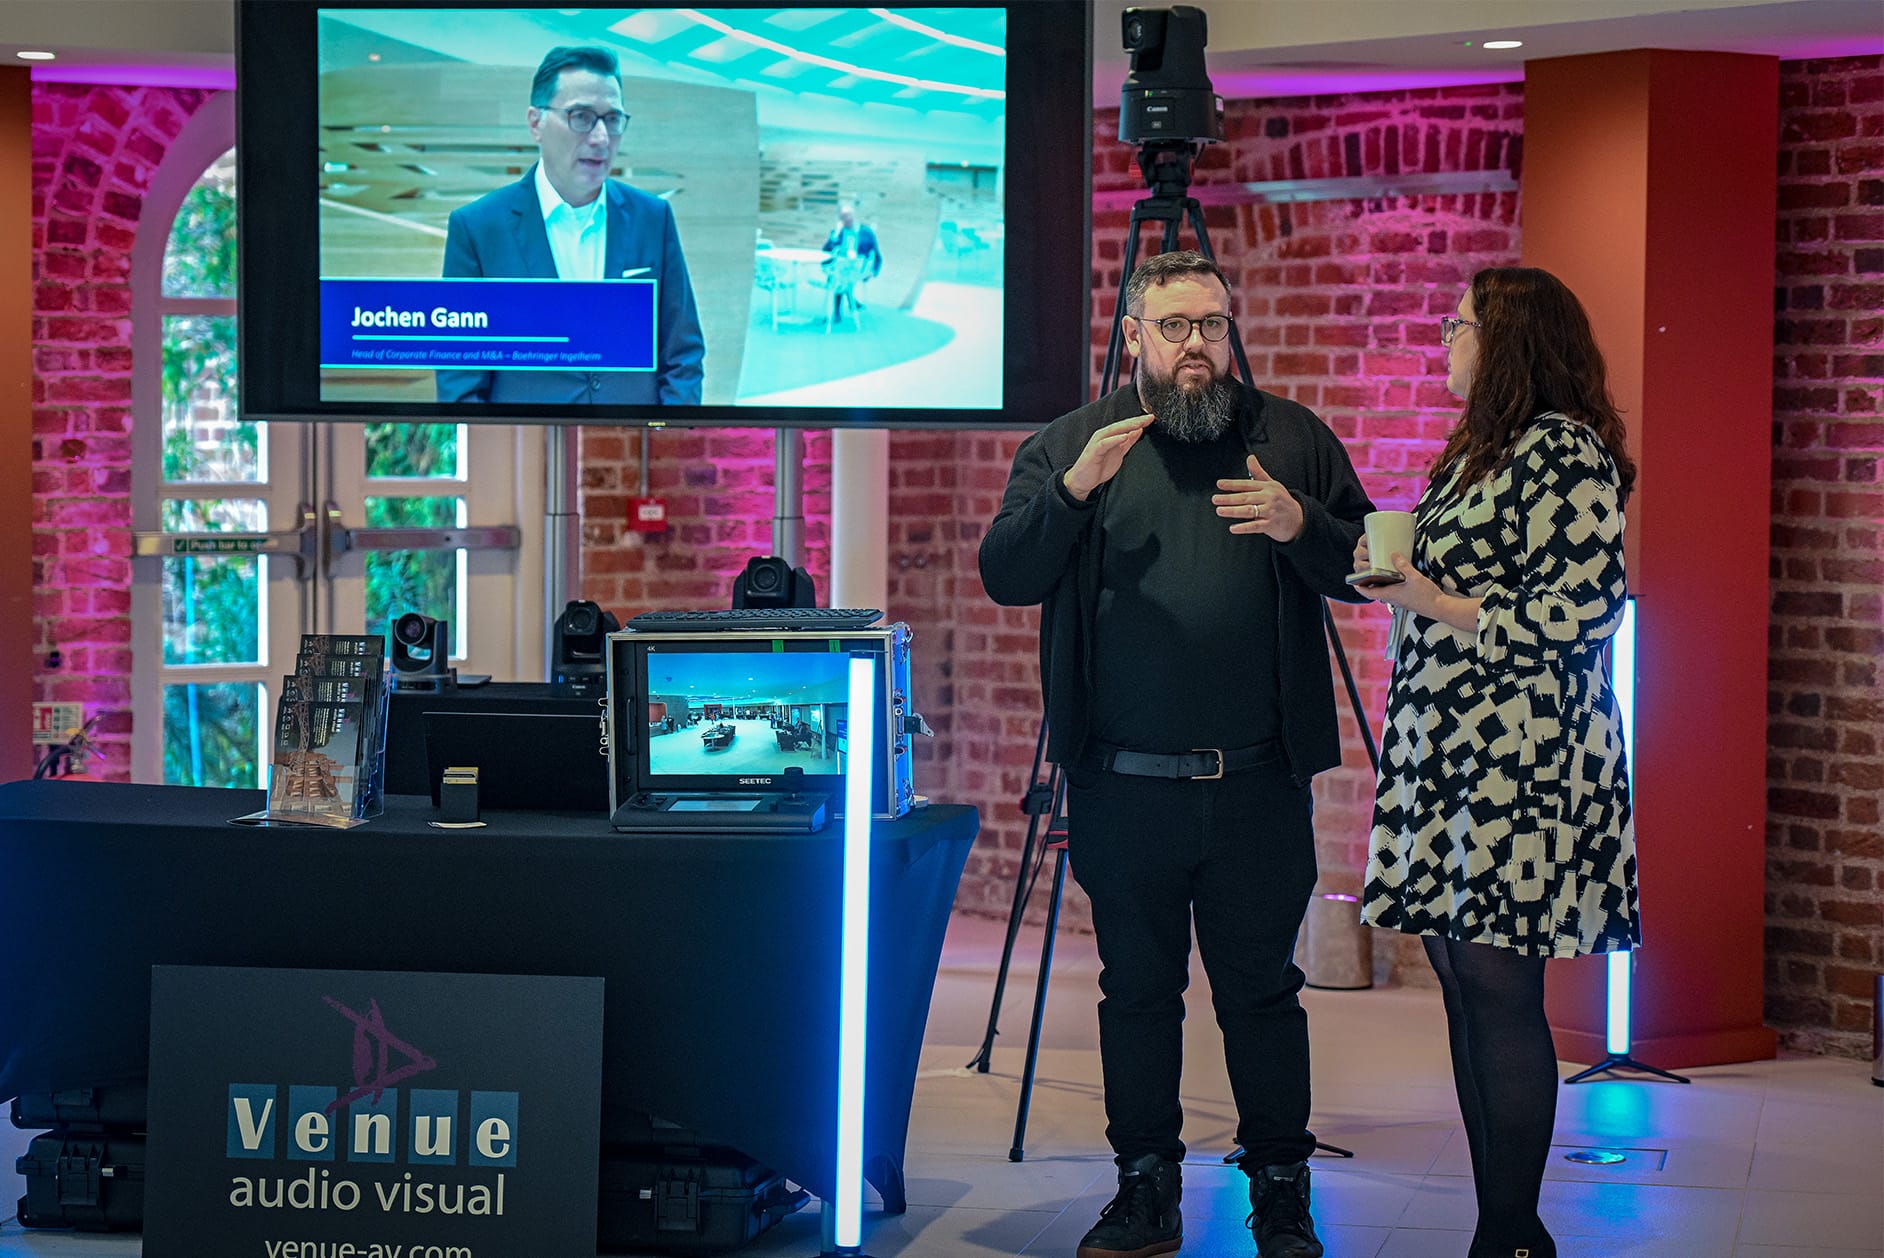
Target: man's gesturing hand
[1259, 505]
[1105, 451]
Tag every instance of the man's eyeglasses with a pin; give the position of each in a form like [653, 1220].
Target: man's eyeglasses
[1177, 328]
[1449, 326]
[582, 119]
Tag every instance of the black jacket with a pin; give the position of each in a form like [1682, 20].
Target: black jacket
[1046, 547]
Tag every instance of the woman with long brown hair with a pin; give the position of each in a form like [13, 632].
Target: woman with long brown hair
[1502, 831]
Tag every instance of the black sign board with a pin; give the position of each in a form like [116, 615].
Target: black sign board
[300, 1112]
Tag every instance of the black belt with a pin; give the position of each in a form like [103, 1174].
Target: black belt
[1205, 763]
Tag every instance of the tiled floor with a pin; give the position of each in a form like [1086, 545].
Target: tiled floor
[1781, 1159]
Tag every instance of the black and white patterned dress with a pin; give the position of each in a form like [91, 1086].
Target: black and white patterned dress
[1502, 814]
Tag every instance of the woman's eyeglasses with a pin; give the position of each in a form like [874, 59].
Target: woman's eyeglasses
[1449, 326]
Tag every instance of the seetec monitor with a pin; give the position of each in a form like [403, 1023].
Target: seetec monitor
[837, 214]
[728, 715]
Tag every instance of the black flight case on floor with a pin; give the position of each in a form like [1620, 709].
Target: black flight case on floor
[671, 1192]
[88, 1171]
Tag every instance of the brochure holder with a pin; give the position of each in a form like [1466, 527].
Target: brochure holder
[328, 763]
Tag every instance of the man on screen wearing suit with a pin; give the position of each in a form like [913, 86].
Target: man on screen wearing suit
[567, 219]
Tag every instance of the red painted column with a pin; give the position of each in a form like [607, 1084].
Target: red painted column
[1649, 188]
[16, 423]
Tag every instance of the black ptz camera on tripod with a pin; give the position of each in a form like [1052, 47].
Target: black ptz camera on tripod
[1169, 109]
[1168, 95]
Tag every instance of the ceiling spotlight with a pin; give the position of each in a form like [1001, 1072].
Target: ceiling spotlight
[1498, 45]
[36, 56]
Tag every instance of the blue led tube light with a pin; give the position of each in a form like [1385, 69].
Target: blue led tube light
[1622, 660]
[854, 964]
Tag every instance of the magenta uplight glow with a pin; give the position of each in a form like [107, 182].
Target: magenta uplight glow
[128, 74]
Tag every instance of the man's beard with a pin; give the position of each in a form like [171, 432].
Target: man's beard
[1193, 415]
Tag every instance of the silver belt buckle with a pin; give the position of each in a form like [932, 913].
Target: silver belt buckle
[1213, 751]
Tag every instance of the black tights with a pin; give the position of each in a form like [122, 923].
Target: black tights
[1505, 1069]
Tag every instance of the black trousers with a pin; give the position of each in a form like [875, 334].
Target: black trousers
[1237, 856]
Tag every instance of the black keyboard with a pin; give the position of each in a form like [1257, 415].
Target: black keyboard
[822, 619]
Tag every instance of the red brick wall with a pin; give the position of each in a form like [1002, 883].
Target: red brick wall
[94, 152]
[977, 677]
[717, 484]
[1825, 776]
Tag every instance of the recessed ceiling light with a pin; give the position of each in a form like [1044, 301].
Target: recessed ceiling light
[36, 56]
[1501, 44]
[372, 56]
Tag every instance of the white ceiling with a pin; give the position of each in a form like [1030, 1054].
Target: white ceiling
[1260, 48]
[1256, 48]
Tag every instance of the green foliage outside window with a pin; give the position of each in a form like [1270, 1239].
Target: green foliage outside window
[210, 608]
[200, 257]
[212, 604]
[199, 349]
[411, 450]
[213, 515]
[199, 363]
[211, 735]
[423, 581]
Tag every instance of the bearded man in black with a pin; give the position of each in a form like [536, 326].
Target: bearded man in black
[1179, 534]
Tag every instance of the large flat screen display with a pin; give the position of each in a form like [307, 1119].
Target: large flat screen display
[751, 214]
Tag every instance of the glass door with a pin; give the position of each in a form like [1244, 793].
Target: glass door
[249, 535]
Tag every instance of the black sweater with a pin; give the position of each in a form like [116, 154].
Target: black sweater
[1046, 547]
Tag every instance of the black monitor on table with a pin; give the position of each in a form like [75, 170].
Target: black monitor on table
[526, 761]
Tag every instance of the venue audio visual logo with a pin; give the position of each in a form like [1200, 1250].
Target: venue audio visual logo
[440, 1128]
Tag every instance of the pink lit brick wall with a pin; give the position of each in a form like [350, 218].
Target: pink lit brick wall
[717, 484]
[1825, 775]
[94, 151]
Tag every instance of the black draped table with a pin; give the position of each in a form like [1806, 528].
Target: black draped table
[720, 953]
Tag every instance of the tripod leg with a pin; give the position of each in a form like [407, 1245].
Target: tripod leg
[1017, 1152]
[1023, 883]
[983, 1058]
[1236, 1155]
[1171, 238]
[1115, 344]
[1354, 692]
[1195, 214]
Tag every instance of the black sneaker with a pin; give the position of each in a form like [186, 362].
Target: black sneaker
[1278, 1200]
[1143, 1218]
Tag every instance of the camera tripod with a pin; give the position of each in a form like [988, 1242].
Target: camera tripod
[1166, 166]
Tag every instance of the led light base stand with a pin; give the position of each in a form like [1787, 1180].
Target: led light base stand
[1620, 992]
